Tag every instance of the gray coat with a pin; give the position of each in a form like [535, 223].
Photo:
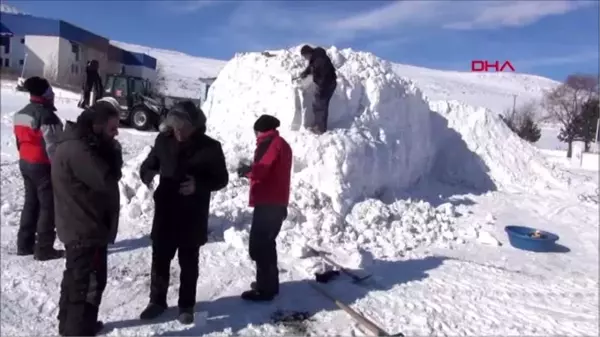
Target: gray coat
[86, 193]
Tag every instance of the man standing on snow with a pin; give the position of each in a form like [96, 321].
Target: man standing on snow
[37, 129]
[85, 174]
[191, 165]
[92, 83]
[270, 176]
[323, 72]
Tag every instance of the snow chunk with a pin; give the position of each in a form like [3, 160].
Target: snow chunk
[380, 133]
[235, 238]
[486, 238]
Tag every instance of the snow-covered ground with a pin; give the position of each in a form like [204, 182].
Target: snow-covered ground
[411, 187]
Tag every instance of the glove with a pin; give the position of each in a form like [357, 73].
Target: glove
[147, 176]
[243, 170]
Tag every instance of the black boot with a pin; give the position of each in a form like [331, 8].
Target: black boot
[24, 251]
[186, 315]
[152, 311]
[48, 254]
[97, 330]
[257, 296]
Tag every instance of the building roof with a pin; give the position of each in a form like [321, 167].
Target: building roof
[4, 31]
[21, 24]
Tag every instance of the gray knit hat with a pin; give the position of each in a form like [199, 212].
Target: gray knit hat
[182, 113]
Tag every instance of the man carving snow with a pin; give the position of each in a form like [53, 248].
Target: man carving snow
[191, 165]
[270, 176]
[323, 72]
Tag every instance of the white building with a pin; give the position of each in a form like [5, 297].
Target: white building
[59, 51]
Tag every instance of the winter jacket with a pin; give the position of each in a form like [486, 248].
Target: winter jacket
[37, 129]
[270, 173]
[180, 219]
[85, 175]
[321, 68]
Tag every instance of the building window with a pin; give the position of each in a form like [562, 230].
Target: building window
[21, 62]
[75, 50]
[7, 63]
[5, 41]
[22, 40]
[1, 62]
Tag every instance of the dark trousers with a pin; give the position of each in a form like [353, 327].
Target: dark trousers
[320, 105]
[162, 254]
[37, 216]
[266, 224]
[83, 283]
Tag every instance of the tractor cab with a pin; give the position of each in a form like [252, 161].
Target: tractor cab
[125, 88]
[134, 94]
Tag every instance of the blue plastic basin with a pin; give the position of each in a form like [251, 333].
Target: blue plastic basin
[519, 237]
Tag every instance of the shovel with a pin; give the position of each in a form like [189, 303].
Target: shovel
[362, 320]
[355, 278]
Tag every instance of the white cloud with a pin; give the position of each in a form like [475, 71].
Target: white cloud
[514, 13]
[455, 14]
[190, 6]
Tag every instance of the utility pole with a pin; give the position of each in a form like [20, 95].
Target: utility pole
[597, 132]
[514, 104]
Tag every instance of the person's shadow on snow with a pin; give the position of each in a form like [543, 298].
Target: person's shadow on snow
[233, 313]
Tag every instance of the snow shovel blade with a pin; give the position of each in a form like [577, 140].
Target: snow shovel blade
[355, 278]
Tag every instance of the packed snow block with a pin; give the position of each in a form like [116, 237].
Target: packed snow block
[477, 149]
[380, 134]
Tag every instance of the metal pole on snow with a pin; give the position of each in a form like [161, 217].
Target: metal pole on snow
[24, 65]
[597, 133]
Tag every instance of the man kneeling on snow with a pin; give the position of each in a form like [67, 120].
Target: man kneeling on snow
[269, 176]
[191, 165]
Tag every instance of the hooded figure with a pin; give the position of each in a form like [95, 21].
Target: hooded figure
[92, 83]
[191, 165]
[270, 176]
[37, 129]
[85, 175]
[325, 78]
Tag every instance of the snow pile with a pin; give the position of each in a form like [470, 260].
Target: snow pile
[181, 74]
[380, 134]
[492, 157]
[384, 137]
[387, 229]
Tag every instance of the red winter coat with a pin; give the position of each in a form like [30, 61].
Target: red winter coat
[37, 130]
[271, 171]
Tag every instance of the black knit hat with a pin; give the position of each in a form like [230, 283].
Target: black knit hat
[266, 123]
[306, 50]
[36, 86]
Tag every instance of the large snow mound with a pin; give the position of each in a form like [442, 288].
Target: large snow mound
[380, 134]
[487, 155]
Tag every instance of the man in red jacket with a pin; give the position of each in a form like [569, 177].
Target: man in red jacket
[269, 176]
[37, 130]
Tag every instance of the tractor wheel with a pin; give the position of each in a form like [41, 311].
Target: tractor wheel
[141, 119]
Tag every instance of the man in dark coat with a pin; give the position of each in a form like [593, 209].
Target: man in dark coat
[37, 129]
[91, 83]
[323, 72]
[270, 176]
[191, 165]
[85, 175]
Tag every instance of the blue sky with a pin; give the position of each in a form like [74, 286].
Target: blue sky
[548, 38]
